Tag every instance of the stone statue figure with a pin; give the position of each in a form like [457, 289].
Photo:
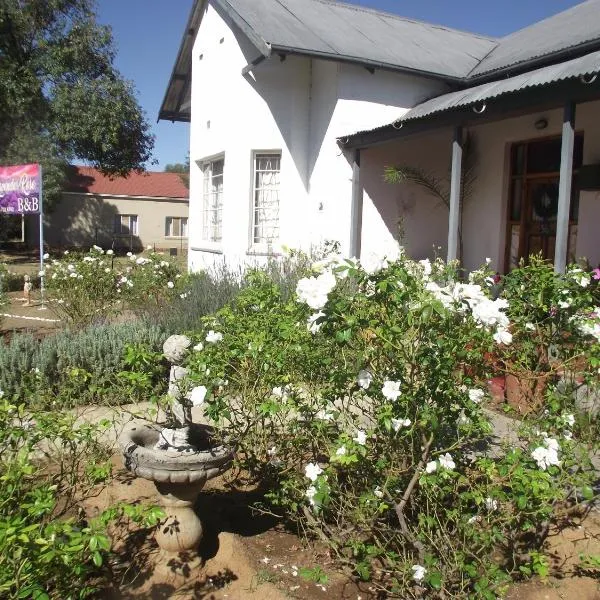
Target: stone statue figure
[27, 287]
[175, 349]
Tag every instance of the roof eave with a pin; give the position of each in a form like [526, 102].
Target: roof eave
[533, 63]
[183, 57]
[536, 99]
[364, 62]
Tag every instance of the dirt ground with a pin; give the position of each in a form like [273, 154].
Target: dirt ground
[35, 319]
[249, 556]
[246, 556]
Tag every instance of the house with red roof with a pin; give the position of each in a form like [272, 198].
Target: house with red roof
[123, 213]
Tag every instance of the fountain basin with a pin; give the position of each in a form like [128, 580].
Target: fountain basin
[138, 442]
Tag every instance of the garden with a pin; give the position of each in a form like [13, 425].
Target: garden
[396, 429]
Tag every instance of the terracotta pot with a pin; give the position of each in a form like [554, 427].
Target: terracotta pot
[496, 388]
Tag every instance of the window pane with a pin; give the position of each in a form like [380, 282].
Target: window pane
[544, 201]
[266, 198]
[516, 199]
[212, 203]
[515, 231]
[518, 159]
[544, 156]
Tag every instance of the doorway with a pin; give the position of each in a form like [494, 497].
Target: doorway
[533, 199]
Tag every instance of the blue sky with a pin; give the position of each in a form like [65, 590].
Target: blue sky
[148, 33]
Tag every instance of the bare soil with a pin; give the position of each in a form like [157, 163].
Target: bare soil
[246, 555]
[35, 319]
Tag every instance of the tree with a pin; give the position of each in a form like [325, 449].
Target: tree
[440, 187]
[183, 169]
[61, 97]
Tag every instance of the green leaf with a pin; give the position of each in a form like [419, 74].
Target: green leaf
[435, 580]
[97, 558]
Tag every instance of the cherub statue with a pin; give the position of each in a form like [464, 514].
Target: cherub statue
[175, 348]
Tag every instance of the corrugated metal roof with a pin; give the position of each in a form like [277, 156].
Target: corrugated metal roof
[331, 30]
[584, 65]
[570, 28]
[348, 32]
[367, 36]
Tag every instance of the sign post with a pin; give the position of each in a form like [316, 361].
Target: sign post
[21, 194]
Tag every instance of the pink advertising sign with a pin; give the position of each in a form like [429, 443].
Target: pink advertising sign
[20, 188]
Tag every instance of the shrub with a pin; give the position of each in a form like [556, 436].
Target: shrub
[49, 464]
[209, 291]
[92, 288]
[360, 402]
[72, 368]
[47, 551]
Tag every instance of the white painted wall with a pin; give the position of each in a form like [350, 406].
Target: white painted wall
[299, 106]
[425, 223]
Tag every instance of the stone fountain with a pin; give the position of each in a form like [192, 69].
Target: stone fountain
[179, 460]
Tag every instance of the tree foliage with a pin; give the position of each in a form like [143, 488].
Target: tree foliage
[61, 97]
[183, 169]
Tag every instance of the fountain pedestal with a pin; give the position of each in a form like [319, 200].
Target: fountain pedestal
[181, 531]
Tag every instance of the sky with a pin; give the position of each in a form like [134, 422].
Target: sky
[148, 34]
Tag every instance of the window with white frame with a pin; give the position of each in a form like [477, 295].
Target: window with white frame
[265, 210]
[212, 200]
[126, 225]
[176, 227]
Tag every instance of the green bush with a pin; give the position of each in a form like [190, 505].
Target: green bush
[92, 288]
[48, 465]
[360, 402]
[72, 368]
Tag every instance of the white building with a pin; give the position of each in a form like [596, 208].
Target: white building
[276, 89]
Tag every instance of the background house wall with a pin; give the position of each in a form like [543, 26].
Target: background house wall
[299, 106]
[80, 220]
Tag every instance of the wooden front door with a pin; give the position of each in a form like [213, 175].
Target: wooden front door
[533, 201]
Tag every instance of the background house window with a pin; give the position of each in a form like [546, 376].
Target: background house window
[265, 213]
[212, 200]
[176, 227]
[126, 225]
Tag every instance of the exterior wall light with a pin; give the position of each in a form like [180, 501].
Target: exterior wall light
[541, 123]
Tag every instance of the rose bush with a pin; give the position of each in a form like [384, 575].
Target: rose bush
[93, 287]
[360, 403]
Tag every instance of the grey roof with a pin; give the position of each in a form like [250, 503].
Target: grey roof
[570, 28]
[586, 68]
[577, 67]
[354, 33]
[351, 33]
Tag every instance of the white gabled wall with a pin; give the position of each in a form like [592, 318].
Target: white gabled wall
[234, 116]
[363, 101]
[299, 106]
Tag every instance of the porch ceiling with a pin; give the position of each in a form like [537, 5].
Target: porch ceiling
[450, 108]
